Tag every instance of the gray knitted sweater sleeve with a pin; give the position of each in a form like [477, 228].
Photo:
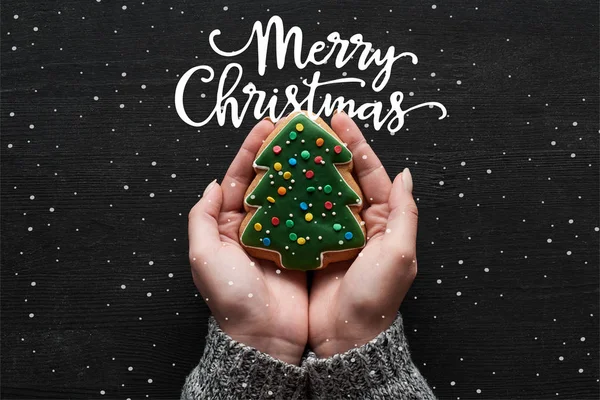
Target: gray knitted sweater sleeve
[231, 370]
[380, 369]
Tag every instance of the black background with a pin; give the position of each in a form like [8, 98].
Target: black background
[513, 227]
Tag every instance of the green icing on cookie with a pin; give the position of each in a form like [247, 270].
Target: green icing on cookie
[315, 198]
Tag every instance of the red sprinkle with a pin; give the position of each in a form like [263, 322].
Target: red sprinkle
[309, 174]
[337, 149]
[275, 221]
[276, 149]
[328, 205]
[318, 159]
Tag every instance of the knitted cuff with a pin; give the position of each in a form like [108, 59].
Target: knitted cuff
[380, 369]
[232, 370]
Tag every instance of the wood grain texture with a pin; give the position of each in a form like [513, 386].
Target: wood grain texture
[97, 297]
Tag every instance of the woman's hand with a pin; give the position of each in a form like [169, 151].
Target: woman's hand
[351, 303]
[254, 302]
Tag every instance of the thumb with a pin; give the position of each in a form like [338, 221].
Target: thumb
[400, 239]
[203, 227]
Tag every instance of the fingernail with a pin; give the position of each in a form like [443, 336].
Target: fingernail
[268, 119]
[336, 111]
[407, 179]
[209, 187]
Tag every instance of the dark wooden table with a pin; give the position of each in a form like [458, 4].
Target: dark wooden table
[99, 173]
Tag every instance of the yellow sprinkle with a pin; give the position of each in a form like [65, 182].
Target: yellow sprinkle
[277, 166]
[301, 240]
[258, 227]
[270, 199]
[287, 175]
[308, 217]
[299, 127]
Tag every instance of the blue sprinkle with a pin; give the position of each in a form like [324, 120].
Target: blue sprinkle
[348, 235]
[292, 161]
[267, 241]
[303, 206]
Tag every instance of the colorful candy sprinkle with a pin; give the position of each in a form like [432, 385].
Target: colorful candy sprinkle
[299, 127]
[337, 227]
[348, 235]
[270, 199]
[327, 189]
[293, 135]
[281, 190]
[310, 189]
[301, 240]
[287, 175]
[309, 174]
[275, 221]
[276, 149]
[258, 227]
[289, 223]
[277, 166]
[337, 149]
[318, 159]
[292, 161]
[308, 217]
[305, 154]
[320, 142]
[328, 205]
[303, 206]
[266, 241]
[293, 237]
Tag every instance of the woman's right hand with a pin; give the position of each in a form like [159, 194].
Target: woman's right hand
[351, 302]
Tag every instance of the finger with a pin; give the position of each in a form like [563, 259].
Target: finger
[400, 239]
[281, 118]
[279, 121]
[240, 172]
[372, 177]
[203, 229]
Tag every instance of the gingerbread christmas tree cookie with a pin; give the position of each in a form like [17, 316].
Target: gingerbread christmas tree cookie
[303, 205]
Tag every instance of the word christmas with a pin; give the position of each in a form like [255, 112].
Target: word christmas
[343, 51]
